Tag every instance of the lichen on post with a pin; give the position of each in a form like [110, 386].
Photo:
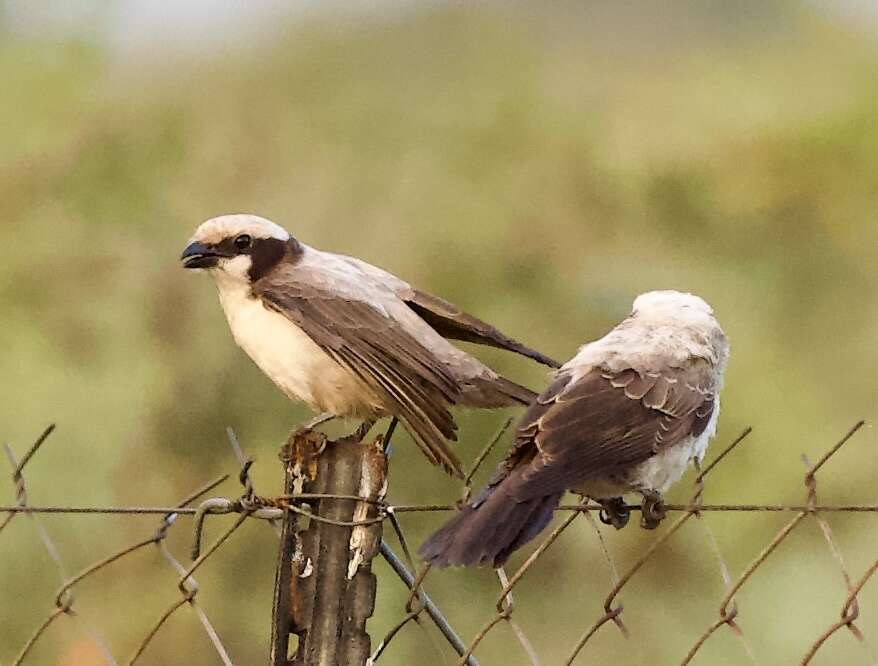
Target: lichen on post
[324, 585]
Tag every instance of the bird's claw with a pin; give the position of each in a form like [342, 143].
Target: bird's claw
[306, 428]
[301, 431]
[614, 512]
[362, 430]
[652, 511]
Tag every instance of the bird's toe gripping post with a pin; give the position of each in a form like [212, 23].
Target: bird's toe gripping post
[308, 426]
[652, 510]
[615, 512]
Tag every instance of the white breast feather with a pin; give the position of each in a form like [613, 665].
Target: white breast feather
[285, 353]
[666, 467]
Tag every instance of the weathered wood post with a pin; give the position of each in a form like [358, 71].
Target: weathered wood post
[324, 585]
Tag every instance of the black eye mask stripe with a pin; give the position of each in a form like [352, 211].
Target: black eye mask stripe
[266, 253]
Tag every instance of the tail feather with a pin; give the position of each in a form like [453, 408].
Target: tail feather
[495, 392]
[486, 532]
[518, 393]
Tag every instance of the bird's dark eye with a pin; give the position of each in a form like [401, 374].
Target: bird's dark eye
[243, 241]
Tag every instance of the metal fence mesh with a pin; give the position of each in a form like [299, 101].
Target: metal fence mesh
[419, 607]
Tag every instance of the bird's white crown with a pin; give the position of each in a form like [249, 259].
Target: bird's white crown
[669, 302]
[219, 228]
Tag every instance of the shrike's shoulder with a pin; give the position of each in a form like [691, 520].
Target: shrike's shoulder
[318, 274]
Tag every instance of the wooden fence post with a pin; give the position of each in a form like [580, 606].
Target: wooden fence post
[324, 585]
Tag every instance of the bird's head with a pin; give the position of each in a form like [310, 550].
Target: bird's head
[239, 247]
[682, 311]
[673, 307]
[669, 304]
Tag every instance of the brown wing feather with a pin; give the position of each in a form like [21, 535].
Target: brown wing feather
[410, 381]
[451, 322]
[604, 422]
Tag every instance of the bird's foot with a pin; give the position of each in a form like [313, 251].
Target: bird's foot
[614, 512]
[310, 424]
[362, 430]
[304, 433]
[302, 447]
[652, 511]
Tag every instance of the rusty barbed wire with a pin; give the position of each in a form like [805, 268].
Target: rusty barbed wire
[64, 598]
[280, 501]
[186, 584]
[251, 505]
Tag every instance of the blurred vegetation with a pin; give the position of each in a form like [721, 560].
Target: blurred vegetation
[539, 168]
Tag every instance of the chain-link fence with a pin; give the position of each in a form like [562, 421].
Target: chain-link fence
[296, 505]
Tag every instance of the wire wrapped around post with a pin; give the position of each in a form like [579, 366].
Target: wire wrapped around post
[324, 585]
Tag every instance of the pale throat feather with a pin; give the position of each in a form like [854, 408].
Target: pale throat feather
[300, 368]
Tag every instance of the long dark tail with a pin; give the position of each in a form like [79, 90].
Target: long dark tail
[496, 392]
[518, 393]
[490, 529]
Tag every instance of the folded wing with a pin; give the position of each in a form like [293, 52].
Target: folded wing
[602, 423]
[445, 318]
[451, 322]
[410, 382]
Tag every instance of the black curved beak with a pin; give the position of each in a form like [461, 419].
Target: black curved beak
[199, 255]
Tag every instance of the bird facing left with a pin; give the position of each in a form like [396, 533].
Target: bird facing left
[348, 338]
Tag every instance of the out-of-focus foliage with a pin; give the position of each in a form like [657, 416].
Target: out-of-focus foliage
[540, 168]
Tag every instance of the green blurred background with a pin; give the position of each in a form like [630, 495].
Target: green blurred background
[538, 166]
